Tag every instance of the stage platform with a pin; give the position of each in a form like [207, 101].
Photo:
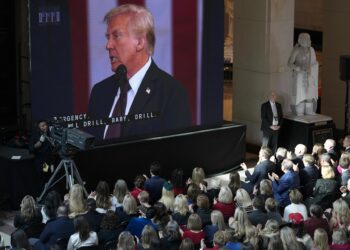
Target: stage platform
[217, 150]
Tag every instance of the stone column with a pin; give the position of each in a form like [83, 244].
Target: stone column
[336, 42]
[263, 41]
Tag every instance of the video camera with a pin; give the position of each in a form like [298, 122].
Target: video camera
[70, 138]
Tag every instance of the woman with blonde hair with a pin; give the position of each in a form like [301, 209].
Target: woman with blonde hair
[270, 230]
[326, 189]
[239, 222]
[289, 239]
[181, 210]
[251, 237]
[128, 210]
[29, 218]
[320, 240]
[198, 176]
[224, 203]
[76, 201]
[217, 223]
[317, 151]
[168, 196]
[194, 229]
[120, 190]
[340, 216]
[243, 200]
[265, 189]
[148, 237]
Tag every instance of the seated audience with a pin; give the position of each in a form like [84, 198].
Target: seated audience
[109, 228]
[320, 240]
[340, 215]
[343, 168]
[137, 224]
[19, 241]
[271, 209]
[217, 223]
[198, 177]
[29, 218]
[251, 240]
[171, 237]
[239, 222]
[187, 244]
[61, 227]
[315, 221]
[261, 170]
[128, 210]
[299, 152]
[193, 190]
[281, 154]
[339, 240]
[194, 229]
[76, 201]
[243, 200]
[143, 198]
[258, 215]
[231, 241]
[148, 238]
[296, 205]
[167, 197]
[181, 210]
[82, 237]
[203, 209]
[139, 187]
[326, 189]
[303, 237]
[103, 198]
[330, 147]
[161, 217]
[308, 176]
[218, 241]
[93, 217]
[265, 190]
[275, 244]
[126, 241]
[154, 184]
[282, 186]
[224, 203]
[271, 230]
[234, 183]
[51, 203]
[179, 181]
[289, 239]
[317, 151]
[119, 192]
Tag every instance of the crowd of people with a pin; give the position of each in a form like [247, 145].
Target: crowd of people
[291, 200]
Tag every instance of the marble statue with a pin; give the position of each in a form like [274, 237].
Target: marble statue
[305, 76]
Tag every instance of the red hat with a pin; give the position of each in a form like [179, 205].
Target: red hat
[296, 218]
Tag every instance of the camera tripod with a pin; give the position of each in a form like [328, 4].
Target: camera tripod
[71, 174]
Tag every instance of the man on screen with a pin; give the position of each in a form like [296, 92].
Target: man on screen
[146, 91]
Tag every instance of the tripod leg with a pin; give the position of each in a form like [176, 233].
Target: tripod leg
[68, 179]
[78, 177]
[50, 182]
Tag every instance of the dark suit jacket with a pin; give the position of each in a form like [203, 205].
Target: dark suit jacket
[260, 172]
[158, 93]
[308, 177]
[267, 116]
[61, 227]
[154, 186]
[257, 217]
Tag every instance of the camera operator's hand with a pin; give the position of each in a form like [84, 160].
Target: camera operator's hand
[42, 138]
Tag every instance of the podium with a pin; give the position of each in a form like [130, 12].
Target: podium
[307, 129]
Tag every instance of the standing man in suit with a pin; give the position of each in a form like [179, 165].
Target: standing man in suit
[271, 121]
[148, 91]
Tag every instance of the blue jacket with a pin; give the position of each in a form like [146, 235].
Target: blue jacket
[61, 227]
[281, 188]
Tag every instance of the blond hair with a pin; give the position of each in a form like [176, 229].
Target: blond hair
[28, 207]
[76, 200]
[217, 219]
[181, 204]
[342, 212]
[198, 175]
[295, 196]
[129, 204]
[168, 199]
[327, 172]
[225, 195]
[141, 22]
[321, 239]
[265, 187]
[242, 198]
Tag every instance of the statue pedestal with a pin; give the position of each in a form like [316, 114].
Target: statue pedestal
[307, 129]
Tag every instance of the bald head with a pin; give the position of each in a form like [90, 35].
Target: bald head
[273, 96]
[329, 144]
[62, 211]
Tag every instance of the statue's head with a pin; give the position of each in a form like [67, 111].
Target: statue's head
[304, 40]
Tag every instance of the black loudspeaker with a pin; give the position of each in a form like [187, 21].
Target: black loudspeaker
[344, 68]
